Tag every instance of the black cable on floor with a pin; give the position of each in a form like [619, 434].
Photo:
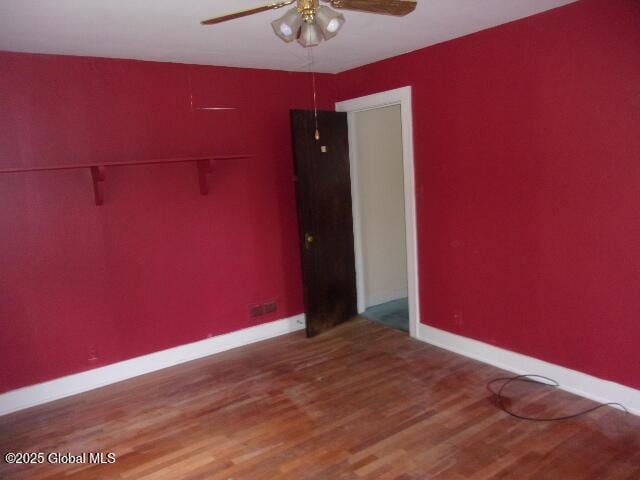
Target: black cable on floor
[500, 399]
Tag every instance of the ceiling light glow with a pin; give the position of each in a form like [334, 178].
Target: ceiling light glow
[333, 26]
[285, 29]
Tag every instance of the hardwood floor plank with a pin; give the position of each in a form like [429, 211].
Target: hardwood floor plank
[383, 407]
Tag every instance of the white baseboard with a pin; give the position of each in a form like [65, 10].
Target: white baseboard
[579, 383]
[597, 389]
[81, 382]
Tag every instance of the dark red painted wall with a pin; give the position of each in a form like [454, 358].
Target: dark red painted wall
[527, 144]
[158, 265]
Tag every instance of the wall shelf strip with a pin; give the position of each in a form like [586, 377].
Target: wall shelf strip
[98, 175]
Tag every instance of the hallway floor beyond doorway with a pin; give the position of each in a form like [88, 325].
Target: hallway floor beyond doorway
[394, 314]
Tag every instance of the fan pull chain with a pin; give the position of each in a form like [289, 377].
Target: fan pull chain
[315, 101]
[315, 106]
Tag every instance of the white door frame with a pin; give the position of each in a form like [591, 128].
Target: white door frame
[402, 97]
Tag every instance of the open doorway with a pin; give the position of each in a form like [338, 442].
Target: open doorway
[383, 204]
[377, 156]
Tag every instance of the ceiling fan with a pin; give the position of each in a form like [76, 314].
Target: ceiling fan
[310, 23]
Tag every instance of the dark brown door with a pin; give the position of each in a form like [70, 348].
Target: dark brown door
[323, 190]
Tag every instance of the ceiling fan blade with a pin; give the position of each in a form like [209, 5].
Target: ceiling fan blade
[244, 13]
[386, 7]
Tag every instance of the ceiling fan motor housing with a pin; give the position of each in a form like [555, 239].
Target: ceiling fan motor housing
[308, 9]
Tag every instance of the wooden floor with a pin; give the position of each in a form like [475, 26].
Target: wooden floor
[360, 402]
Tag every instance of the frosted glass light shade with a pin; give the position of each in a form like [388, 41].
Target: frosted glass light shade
[310, 35]
[287, 26]
[329, 21]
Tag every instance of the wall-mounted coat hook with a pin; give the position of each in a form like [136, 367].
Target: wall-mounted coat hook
[97, 176]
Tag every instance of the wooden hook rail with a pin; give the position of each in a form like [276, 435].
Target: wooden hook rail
[98, 170]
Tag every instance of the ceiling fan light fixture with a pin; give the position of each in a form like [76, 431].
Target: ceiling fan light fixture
[287, 26]
[310, 35]
[310, 22]
[329, 21]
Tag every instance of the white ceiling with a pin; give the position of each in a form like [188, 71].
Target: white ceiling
[169, 30]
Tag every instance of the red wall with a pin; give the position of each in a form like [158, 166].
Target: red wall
[527, 144]
[158, 264]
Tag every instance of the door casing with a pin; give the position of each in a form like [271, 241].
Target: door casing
[402, 97]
